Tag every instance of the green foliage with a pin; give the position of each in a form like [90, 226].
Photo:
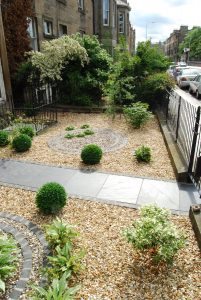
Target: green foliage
[155, 87]
[4, 138]
[69, 136]
[91, 154]
[83, 86]
[21, 142]
[28, 130]
[137, 114]
[8, 258]
[80, 135]
[120, 85]
[156, 234]
[58, 290]
[88, 132]
[143, 154]
[192, 41]
[151, 58]
[69, 128]
[59, 233]
[51, 198]
[84, 126]
[65, 260]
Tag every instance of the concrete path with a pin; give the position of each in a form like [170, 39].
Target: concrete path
[109, 188]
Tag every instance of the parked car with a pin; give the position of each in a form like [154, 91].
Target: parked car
[182, 64]
[195, 86]
[186, 75]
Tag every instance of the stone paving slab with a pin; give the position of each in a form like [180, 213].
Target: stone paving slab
[115, 189]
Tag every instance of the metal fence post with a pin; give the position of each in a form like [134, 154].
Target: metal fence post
[195, 136]
[178, 118]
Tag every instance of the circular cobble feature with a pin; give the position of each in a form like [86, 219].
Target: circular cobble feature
[34, 250]
[108, 139]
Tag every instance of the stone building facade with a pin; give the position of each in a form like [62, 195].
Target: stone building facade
[172, 43]
[108, 19]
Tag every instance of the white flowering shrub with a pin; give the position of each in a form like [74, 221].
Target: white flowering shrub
[155, 233]
[55, 55]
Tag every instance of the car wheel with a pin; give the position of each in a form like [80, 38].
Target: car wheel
[190, 91]
[197, 95]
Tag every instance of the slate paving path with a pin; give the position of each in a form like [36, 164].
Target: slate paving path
[115, 189]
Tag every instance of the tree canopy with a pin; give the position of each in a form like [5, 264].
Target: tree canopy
[193, 42]
[15, 19]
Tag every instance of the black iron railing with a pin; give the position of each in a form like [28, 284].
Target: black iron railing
[183, 121]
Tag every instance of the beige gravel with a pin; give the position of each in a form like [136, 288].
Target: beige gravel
[119, 161]
[113, 270]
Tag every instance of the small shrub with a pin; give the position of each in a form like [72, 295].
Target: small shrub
[137, 114]
[8, 258]
[91, 154]
[69, 136]
[69, 128]
[21, 142]
[59, 233]
[156, 234]
[88, 132]
[58, 289]
[80, 135]
[27, 130]
[143, 154]
[51, 198]
[4, 138]
[84, 126]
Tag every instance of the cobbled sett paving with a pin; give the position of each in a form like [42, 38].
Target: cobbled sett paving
[27, 234]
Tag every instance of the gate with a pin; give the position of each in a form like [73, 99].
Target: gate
[184, 122]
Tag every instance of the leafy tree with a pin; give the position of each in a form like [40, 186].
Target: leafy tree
[85, 85]
[151, 59]
[15, 18]
[192, 41]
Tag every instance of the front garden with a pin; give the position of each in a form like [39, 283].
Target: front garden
[60, 248]
[112, 268]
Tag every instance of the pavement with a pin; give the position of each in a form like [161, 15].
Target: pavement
[128, 191]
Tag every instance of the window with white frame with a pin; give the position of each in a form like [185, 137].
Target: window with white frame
[48, 27]
[121, 22]
[81, 4]
[33, 34]
[62, 30]
[106, 12]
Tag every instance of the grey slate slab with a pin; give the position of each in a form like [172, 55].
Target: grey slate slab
[86, 183]
[121, 188]
[188, 195]
[163, 193]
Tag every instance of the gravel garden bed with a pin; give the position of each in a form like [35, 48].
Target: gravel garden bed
[119, 142]
[112, 269]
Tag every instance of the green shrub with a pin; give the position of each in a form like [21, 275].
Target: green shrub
[143, 154]
[57, 290]
[80, 135]
[27, 130]
[156, 234]
[51, 198]
[69, 128]
[21, 142]
[88, 132]
[8, 258]
[69, 136]
[4, 138]
[137, 114]
[59, 233]
[91, 154]
[84, 126]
